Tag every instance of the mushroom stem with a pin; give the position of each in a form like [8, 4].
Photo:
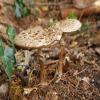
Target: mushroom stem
[61, 60]
[42, 69]
[42, 73]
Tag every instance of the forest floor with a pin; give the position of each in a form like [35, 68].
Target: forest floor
[81, 65]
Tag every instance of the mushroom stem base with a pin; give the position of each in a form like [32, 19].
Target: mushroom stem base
[42, 74]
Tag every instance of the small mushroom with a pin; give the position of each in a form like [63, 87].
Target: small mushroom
[66, 26]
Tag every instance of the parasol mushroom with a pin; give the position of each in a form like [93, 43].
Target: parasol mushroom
[66, 26]
[37, 38]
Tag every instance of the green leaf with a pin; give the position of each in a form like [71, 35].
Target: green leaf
[84, 27]
[8, 58]
[8, 66]
[72, 15]
[25, 12]
[9, 52]
[8, 61]
[19, 1]
[1, 48]
[17, 10]
[20, 9]
[11, 33]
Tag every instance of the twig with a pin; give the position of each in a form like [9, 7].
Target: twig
[82, 71]
[52, 62]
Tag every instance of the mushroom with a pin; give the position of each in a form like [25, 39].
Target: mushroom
[66, 26]
[30, 38]
[38, 37]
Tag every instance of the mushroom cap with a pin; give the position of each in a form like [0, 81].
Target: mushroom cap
[37, 37]
[52, 35]
[68, 25]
